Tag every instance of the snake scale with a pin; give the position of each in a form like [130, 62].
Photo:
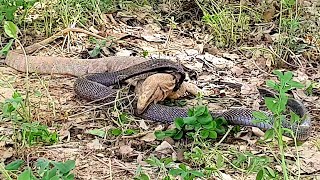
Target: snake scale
[99, 85]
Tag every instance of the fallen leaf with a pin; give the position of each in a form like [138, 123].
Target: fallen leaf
[95, 144]
[230, 56]
[257, 131]
[143, 125]
[5, 93]
[236, 70]
[164, 148]
[125, 150]
[150, 137]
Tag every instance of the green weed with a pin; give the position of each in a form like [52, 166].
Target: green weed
[45, 170]
[199, 125]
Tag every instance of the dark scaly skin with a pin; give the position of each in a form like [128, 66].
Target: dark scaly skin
[98, 86]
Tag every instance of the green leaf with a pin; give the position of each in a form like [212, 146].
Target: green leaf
[205, 119]
[97, 132]
[65, 167]
[282, 103]
[269, 134]
[271, 172]
[287, 76]
[6, 48]
[11, 29]
[260, 115]
[213, 135]
[69, 177]
[271, 104]
[175, 172]
[204, 133]
[278, 73]
[197, 173]
[42, 165]
[211, 125]
[130, 132]
[199, 110]
[183, 167]
[296, 84]
[272, 84]
[260, 175]
[26, 175]
[116, 132]
[178, 135]
[179, 123]
[294, 117]
[160, 135]
[190, 120]
[15, 165]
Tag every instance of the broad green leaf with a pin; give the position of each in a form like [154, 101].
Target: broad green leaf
[190, 120]
[287, 76]
[183, 167]
[97, 132]
[6, 48]
[142, 176]
[179, 123]
[26, 175]
[42, 165]
[278, 73]
[160, 135]
[176, 172]
[296, 84]
[260, 175]
[271, 104]
[130, 132]
[65, 167]
[199, 110]
[294, 117]
[15, 165]
[283, 102]
[171, 132]
[197, 173]
[178, 135]
[11, 29]
[116, 132]
[204, 133]
[69, 177]
[269, 134]
[272, 84]
[205, 119]
[213, 135]
[211, 125]
[260, 115]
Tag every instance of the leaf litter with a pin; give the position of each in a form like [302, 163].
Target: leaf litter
[99, 155]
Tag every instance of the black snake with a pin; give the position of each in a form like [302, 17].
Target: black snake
[99, 85]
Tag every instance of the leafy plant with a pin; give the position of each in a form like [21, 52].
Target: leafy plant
[185, 172]
[277, 105]
[8, 8]
[198, 124]
[46, 170]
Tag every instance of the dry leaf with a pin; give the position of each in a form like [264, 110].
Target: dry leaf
[247, 89]
[257, 131]
[236, 70]
[125, 150]
[95, 144]
[230, 56]
[143, 125]
[150, 137]
[164, 148]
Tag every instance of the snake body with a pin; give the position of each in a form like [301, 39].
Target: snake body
[99, 85]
